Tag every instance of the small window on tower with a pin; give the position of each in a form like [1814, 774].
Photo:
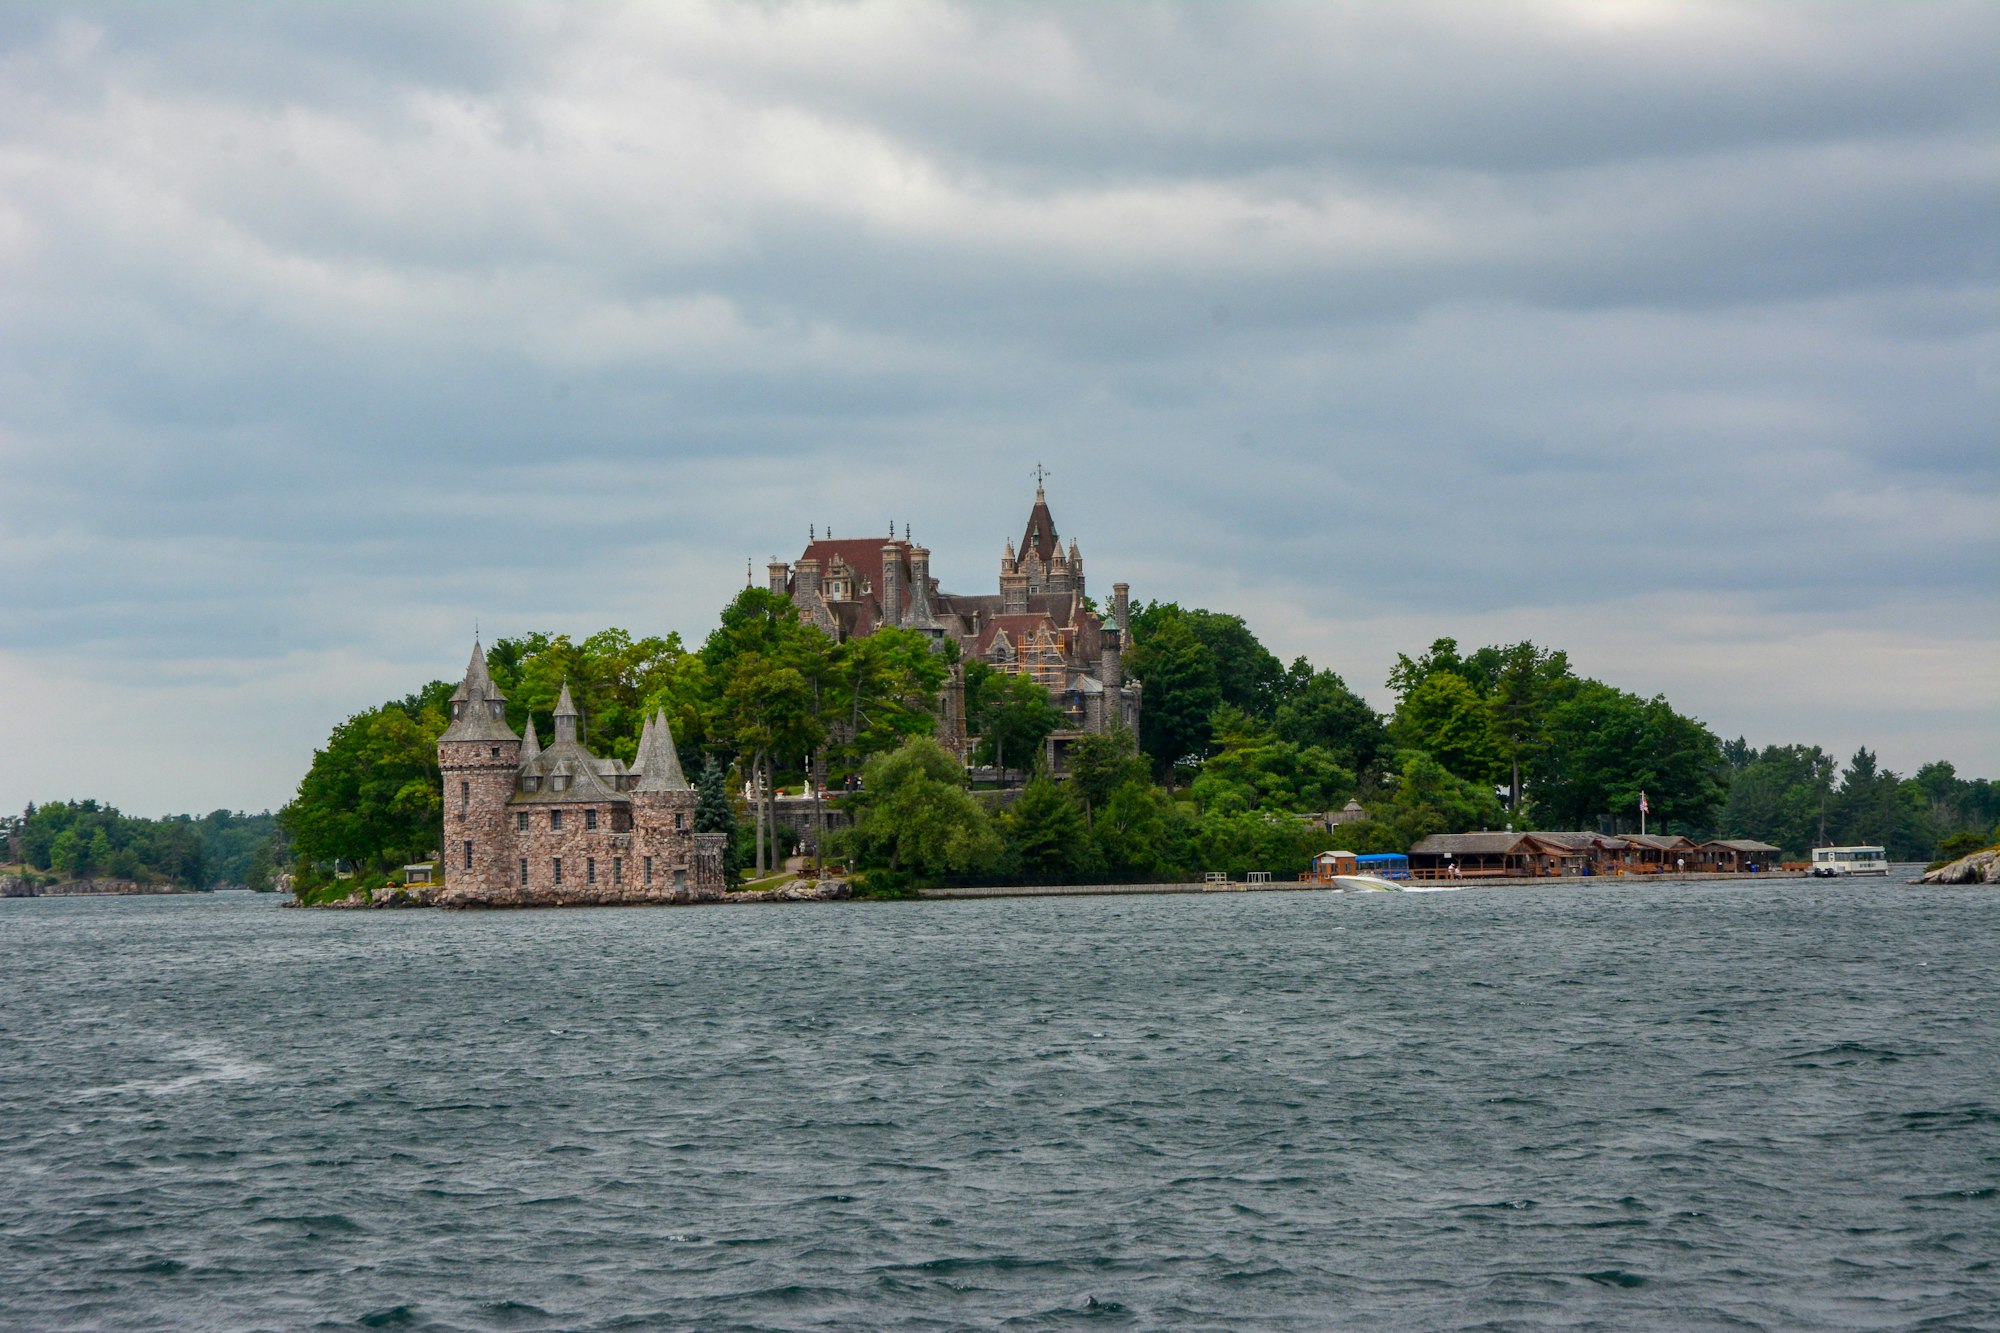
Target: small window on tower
[524, 872]
[521, 822]
[590, 870]
[677, 821]
[494, 751]
[558, 869]
[465, 793]
[590, 819]
[555, 819]
[649, 869]
[468, 856]
[617, 870]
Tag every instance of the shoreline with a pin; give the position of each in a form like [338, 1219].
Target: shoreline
[1421, 886]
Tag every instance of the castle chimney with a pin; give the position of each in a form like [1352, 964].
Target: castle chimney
[781, 576]
[1111, 661]
[892, 582]
[1120, 596]
[808, 579]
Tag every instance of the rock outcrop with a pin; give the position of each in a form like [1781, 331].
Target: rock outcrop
[797, 891]
[1978, 868]
[576, 895]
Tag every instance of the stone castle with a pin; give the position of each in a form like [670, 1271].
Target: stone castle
[526, 825]
[1038, 624]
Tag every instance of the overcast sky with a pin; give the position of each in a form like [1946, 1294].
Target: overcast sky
[1661, 332]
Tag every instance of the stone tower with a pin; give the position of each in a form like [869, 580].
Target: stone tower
[663, 802]
[478, 757]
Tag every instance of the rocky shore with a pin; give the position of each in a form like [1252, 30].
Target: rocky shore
[13, 886]
[797, 891]
[1978, 868]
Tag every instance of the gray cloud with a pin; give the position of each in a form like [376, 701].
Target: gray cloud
[1665, 332]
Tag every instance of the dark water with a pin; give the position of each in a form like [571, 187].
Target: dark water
[1762, 1106]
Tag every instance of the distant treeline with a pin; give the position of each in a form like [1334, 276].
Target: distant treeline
[86, 840]
[1234, 748]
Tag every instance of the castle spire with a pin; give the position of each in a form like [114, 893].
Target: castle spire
[531, 744]
[566, 717]
[478, 708]
[659, 763]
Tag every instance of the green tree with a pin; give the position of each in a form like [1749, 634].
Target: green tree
[1605, 747]
[1319, 710]
[715, 811]
[1252, 768]
[373, 796]
[1526, 682]
[1406, 675]
[1445, 718]
[882, 690]
[1181, 690]
[1874, 806]
[770, 711]
[1044, 833]
[1100, 764]
[1426, 798]
[1781, 797]
[1142, 833]
[1011, 714]
[914, 818]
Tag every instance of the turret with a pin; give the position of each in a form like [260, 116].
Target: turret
[1111, 658]
[807, 582]
[1013, 593]
[663, 805]
[567, 718]
[781, 576]
[892, 583]
[479, 758]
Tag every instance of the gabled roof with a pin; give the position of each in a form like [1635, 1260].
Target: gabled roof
[1740, 844]
[1469, 844]
[1657, 843]
[1019, 628]
[585, 786]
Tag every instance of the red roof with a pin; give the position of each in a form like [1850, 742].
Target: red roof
[1040, 534]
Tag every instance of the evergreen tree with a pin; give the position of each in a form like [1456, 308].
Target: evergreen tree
[715, 812]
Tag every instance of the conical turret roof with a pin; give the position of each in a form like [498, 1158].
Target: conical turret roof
[531, 744]
[565, 706]
[1040, 534]
[476, 674]
[659, 763]
[478, 708]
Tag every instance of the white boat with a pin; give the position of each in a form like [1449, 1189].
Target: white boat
[1364, 884]
[1828, 862]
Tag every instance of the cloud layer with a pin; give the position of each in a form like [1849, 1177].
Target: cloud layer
[1665, 333]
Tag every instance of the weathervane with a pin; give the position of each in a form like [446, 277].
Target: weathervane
[1041, 474]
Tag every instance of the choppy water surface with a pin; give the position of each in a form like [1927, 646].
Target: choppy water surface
[1768, 1105]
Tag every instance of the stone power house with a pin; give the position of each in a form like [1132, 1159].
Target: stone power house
[526, 827]
[1038, 624]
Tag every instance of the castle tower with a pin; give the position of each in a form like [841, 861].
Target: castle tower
[567, 718]
[780, 575]
[479, 757]
[892, 583]
[663, 835]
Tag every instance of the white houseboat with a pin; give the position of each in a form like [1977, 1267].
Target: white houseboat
[1829, 861]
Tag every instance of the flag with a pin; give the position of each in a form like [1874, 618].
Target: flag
[1644, 809]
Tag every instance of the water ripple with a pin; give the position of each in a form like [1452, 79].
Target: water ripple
[1643, 1106]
